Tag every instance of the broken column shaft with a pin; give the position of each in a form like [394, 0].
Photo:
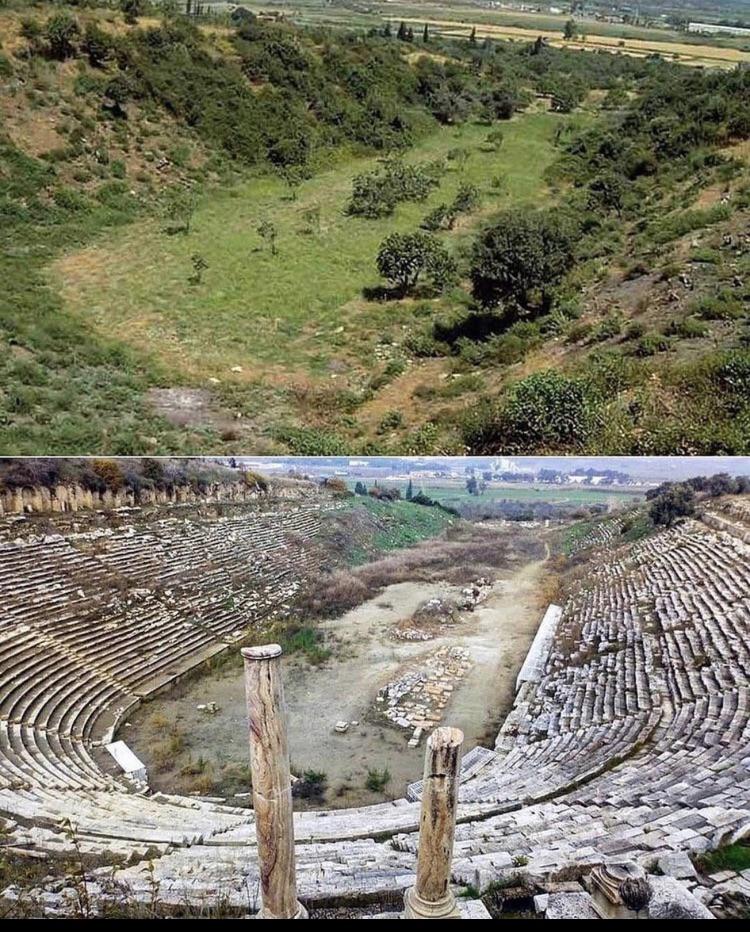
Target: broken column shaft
[272, 787]
[431, 896]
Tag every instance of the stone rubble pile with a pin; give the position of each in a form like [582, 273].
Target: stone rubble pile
[417, 700]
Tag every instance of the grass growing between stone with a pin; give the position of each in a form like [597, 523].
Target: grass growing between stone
[729, 858]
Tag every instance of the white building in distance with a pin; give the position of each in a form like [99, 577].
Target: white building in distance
[714, 29]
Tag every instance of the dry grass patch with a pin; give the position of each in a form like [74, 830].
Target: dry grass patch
[463, 554]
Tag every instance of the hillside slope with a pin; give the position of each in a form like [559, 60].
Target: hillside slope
[187, 268]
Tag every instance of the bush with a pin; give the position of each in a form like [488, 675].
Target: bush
[547, 410]
[674, 502]
[377, 780]
[404, 257]
[376, 194]
[466, 199]
[730, 374]
[423, 344]
[686, 328]
[255, 480]
[337, 486]
[61, 34]
[335, 594]
[650, 344]
[311, 785]
[391, 420]
[443, 217]
[723, 306]
[97, 45]
[110, 473]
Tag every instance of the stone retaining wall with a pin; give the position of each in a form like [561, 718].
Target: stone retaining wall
[63, 499]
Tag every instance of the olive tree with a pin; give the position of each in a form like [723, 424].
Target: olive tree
[523, 254]
[404, 257]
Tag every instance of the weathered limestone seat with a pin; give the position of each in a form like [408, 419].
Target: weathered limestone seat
[635, 741]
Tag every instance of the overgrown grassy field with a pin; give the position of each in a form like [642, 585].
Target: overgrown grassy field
[182, 273]
[398, 525]
[296, 316]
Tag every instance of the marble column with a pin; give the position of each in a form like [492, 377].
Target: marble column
[272, 786]
[431, 896]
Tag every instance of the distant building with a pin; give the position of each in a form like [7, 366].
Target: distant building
[713, 29]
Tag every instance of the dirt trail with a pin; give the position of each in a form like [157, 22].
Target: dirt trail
[497, 636]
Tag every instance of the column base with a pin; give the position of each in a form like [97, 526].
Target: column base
[417, 908]
[300, 914]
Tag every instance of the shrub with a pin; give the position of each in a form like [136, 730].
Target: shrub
[730, 374]
[391, 420]
[376, 194]
[610, 327]
[337, 486]
[423, 343]
[377, 780]
[466, 199]
[109, 472]
[404, 257]
[650, 344]
[723, 306]
[97, 45]
[687, 328]
[132, 9]
[153, 471]
[635, 330]
[441, 218]
[61, 34]
[311, 785]
[676, 501]
[335, 594]
[371, 198]
[494, 139]
[255, 480]
[546, 410]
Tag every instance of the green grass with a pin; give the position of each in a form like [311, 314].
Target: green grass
[576, 533]
[404, 524]
[262, 311]
[64, 389]
[457, 494]
[378, 780]
[636, 527]
[729, 858]
[304, 639]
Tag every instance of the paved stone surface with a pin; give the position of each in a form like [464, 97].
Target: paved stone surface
[570, 906]
[677, 864]
[672, 900]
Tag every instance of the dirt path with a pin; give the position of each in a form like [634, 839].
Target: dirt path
[496, 635]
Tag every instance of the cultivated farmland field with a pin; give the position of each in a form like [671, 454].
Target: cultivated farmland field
[455, 493]
[458, 19]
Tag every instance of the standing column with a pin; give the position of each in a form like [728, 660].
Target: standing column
[431, 896]
[272, 785]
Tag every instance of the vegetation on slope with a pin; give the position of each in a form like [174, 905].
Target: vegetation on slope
[259, 310]
[121, 475]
